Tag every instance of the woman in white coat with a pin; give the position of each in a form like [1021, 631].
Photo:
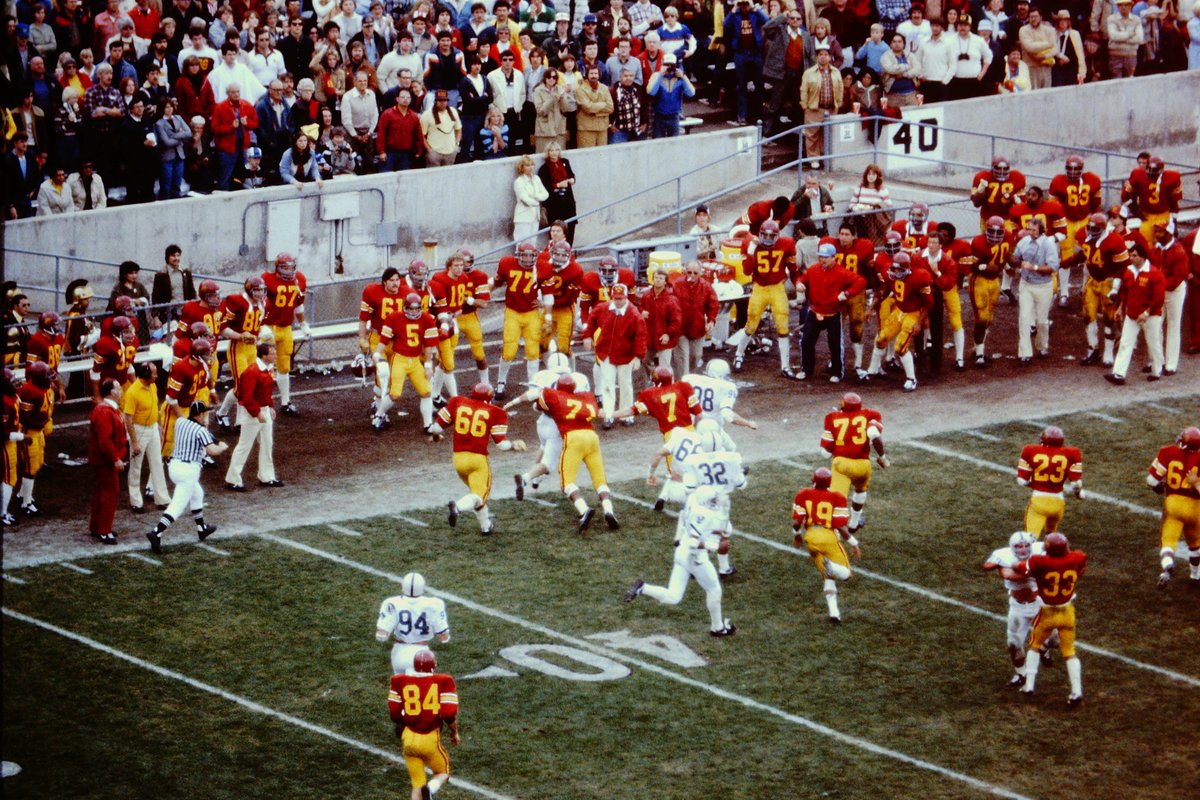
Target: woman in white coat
[530, 194]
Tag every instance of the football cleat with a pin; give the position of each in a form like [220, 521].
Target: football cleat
[981, 362]
[1063, 301]
[109, 538]
[585, 519]
[235, 487]
[500, 389]
[290, 409]
[1016, 681]
[729, 630]
[380, 423]
[489, 530]
[1074, 700]
[1164, 578]
[910, 385]
[223, 423]
[634, 590]
[155, 539]
[835, 620]
[659, 505]
[434, 436]
[737, 363]
[519, 480]
[274, 483]
[30, 509]
[729, 573]
[8, 520]
[610, 519]
[960, 365]
[205, 531]
[452, 513]
[1115, 379]
[1093, 357]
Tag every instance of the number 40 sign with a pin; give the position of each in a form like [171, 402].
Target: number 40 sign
[904, 140]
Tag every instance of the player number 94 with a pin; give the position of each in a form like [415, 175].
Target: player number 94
[406, 624]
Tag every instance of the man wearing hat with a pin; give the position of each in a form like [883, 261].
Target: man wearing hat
[826, 287]
[620, 336]
[193, 441]
[820, 94]
[668, 86]
[81, 331]
[972, 59]
[1125, 36]
[1070, 62]
[590, 34]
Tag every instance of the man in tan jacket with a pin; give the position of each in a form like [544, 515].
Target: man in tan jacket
[595, 107]
[820, 93]
[1038, 48]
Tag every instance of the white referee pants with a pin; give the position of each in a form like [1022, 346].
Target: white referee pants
[189, 494]
[149, 439]
[1173, 325]
[1034, 301]
[1152, 330]
[613, 377]
[253, 430]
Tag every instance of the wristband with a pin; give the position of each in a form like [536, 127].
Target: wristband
[853, 542]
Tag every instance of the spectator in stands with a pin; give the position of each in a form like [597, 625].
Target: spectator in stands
[549, 101]
[559, 179]
[899, 74]
[400, 142]
[821, 91]
[360, 117]
[296, 47]
[1038, 49]
[234, 122]
[787, 47]
[173, 284]
[22, 179]
[916, 29]
[595, 110]
[972, 59]
[744, 38]
[339, 155]
[193, 91]
[442, 130]
[1015, 77]
[1125, 36]
[631, 109]
[231, 71]
[103, 110]
[493, 136]
[809, 200]
[669, 86]
[510, 93]
[140, 145]
[622, 59]
[937, 58]
[54, 196]
[87, 188]
[821, 35]
[198, 158]
[300, 163]
[1070, 60]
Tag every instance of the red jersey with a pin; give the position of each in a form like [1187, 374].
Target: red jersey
[958, 250]
[1057, 576]
[847, 433]
[112, 360]
[187, 377]
[592, 291]
[995, 198]
[377, 305]
[409, 337]
[1079, 199]
[571, 411]
[35, 406]
[823, 508]
[9, 416]
[448, 294]
[423, 702]
[1171, 466]
[856, 257]
[987, 259]
[563, 284]
[239, 314]
[195, 311]
[823, 287]
[1154, 197]
[45, 347]
[1104, 257]
[1173, 260]
[479, 286]
[283, 298]
[881, 264]
[763, 210]
[913, 293]
[473, 421]
[947, 279]
[1143, 290]
[1047, 468]
[915, 239]
[770, 266]
[521, 286]
[672, 406]
[1050, 212]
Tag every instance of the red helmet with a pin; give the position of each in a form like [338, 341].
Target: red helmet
[424, 661]
[1057, 544]
[1189, 439]
[768, 233]
[467, 256]
[1053, 436]
[202, 349]
[210, 293]
[565, 383]
[285, 266]
[1074, 167]
[851, 402]
[256, 288]
[412, 305]
[821, 478]
[662, 376]
[901, 267]
[893, 242]
[560, 254]
[1155, 166]
[609, 271]
[1001, 168]
[123, 305]
[527, 254]
[199, 330]
[38, 373]
[994, 232]
[122, 328]
[918, 214]
[418, 274]
[1096, 224]
[483, 391]
[48, 322]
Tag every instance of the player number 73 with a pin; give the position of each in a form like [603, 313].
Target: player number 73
[843, 426]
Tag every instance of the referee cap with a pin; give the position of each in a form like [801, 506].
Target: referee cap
[199, 407]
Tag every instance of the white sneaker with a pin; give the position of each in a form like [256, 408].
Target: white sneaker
[910, 385]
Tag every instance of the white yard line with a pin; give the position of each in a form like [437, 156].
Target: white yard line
[342, 529]
[248, 704]
[748, 702]
[1161, 407]
[145, 558]
[541, 502]
[791, 462]
[215, 550]
[412, 520]
[75, 568]
[1102, 416]
[987, 437]
[12, 579]
[941, 598]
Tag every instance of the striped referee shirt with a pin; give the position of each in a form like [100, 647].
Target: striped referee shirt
[190, 440]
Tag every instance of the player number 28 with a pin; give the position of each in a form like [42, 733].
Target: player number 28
[413, 704]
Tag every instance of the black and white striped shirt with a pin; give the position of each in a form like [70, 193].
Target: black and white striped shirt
[190, 440]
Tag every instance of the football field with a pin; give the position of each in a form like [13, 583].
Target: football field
[248, 668]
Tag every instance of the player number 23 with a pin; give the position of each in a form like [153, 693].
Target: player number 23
[473, 422]
[413, 704]
[1051, 469]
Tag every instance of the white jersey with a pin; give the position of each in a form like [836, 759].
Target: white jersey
[698, 532]
[412, 620]
[716, 397]
[1005, 557]
[721, 470]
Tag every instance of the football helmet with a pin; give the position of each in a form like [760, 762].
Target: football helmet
[558, 363]
[919, 214]
[609, 271]
[527, 254]
[467, 256]
[994, 232]
[565, 383]
[48, 322]
[1057, 544]
[483, 391]
[412, 306]
[418, 274]
[717, 368]
[285, 266]
[1053, 436]
[560, 255]
[901, 267]
[424, 661]
[199, 330]
[201, 349]
[412, 584]
[361, 366]
[893, 243]
[662, 376]
[210, 293]
[707, 497]
[821, 478]
[1074, 167]
[256, 289]
[710, 435]
[1001, 169]
[768, 233]
[122, 328]
[851, 402]
[1021, 544]
[1154, 167]
[38, 373]
[1096, 224]
[123, 306]
[9, 386]
[1189, 439]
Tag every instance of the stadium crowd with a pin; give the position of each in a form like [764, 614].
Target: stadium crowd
[138, 99]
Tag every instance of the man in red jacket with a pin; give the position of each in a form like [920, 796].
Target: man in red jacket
[1142, 291]
[399, 141]
[233, 126]
[108, 445]
[827, 287]
[698, 308]
[664, 323]
[256, 415]
[619, 334]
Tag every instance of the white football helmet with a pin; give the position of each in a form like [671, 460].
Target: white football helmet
[412, 585]
[710, 435]
[1021, 544]
[582, 384]
[717, 368]
[707, 497]
[558, 363]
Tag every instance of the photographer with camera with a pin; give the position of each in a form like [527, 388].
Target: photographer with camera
[668, 86]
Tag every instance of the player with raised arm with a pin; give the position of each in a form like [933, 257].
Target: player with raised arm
[717, 394]
[478, 295]
[561, 279]
[819, 520]
[1175, 474]
[411, 620]
[671, 403]
[1049, 469]
[994, 192]
[420, 704]
[574, 412]
[549, 439]
[702, 530]
[448, 292]
[285, 305]
[1023, 600]
[1157, 192]
[1057, 573]
[405, 352]
[850, 433]
[1081, 194]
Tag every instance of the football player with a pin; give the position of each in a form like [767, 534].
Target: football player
[717, 395]
[596, 287]
[1175, 474]
[35, 413]
[819, 520]
[379, 301]
[285, 305]
[1101, 249]
[986, 264]
[671, 403]
[855, 254]
[478, 294]
[448, 290]
[521, 278]
[1049, 469]
[46, 345]
[205, 308]
[911, 293]
[1023, 600]
[707, 437]
[1057, 573]
[702, 532]
[549, 439]
[916, 230]
[780, 211]
[12, 436]
[112, 357]
[405, 353]
[944, 271]
[411, 620]
[241, 321]
[474, 419]
[1054, 223]
[420, 704]
[1157, 191]
[771, 260]
[994, 192]
[715, 462]
[850, 434]
[187, 382]
[561, 279]
[1080, 194]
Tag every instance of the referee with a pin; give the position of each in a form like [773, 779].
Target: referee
[193, 441]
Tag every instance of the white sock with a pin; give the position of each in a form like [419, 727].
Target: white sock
[1093, 335]
[858, 355]
[284, 382]
[26, 492]
[435, 384]
[436, 782]
[483, 375]
[485, 518]
[960, 343]
[716, 620]
[1194, 564]
[831, 598]
[723, 564]
[739, 339]
[385, 405]
[834, 570]
[910, 371]
[876, 360]
[426, 411]
[606, 504]
[785, 352]
[5, 497]
[451, 384]
[227, 404]
[1032, 660]
[1064, 281]
[532, 365]
[979, 349]
[502, 374]
[1075, 675]
[1109, 343]
[855, 516]
[580, 506]
[1167, 559]
[468, 502]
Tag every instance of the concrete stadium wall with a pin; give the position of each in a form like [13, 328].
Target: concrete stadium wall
[471, 204]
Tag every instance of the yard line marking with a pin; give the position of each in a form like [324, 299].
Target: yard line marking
[246, 703]
[412, 521]
[212, 549]
[342, 529]
[12, 579]
[793, 463]
[337, 388]
[1088, 494]
[147, 559]
[585, 644]
[941, 598]
[75, 568]
[1103, 416]
[1161, 407]
[541, 502]
[987, 437]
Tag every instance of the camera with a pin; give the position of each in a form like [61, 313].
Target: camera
[963, 57]
[669, 68]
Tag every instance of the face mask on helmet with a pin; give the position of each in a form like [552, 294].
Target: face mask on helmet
[256, 289]
[994, 233]
[1074, 168]
[418, 275]
[285, 266]
[210, 294]
[527, 255]
[48, 323]
[768, 234]
[609, 272]
[1001, 169]
[1155, 167]
[1021, 543]
[412, 306]
[892, 243]
[900, 268]
[560, 255]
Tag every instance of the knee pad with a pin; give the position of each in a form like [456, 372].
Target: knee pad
[858, 498]
[836, 571]
[570, 489]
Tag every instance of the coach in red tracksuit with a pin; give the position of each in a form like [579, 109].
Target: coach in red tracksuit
[256, 415]
[108, 447]
[664, 321]
[620, 336]
[826, 287]
[698, 307]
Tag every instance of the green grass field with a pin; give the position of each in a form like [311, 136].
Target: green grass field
[255, 673]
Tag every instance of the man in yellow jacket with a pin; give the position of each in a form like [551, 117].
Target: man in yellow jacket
[595, 104]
